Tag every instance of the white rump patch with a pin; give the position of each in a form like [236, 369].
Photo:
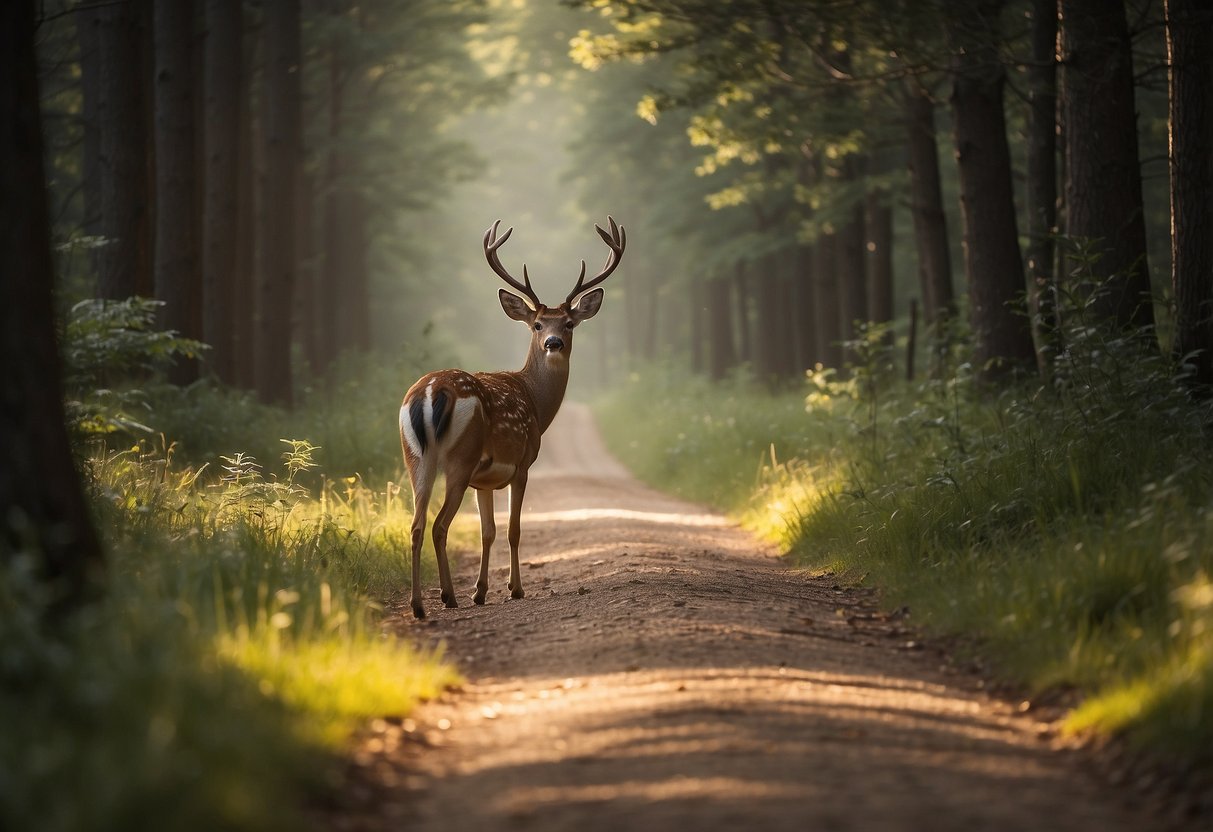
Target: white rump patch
[406, 430]
[460, 416]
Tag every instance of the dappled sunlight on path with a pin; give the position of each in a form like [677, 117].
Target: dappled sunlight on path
[668, 671]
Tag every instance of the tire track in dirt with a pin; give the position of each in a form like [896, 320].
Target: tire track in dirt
[666, 670]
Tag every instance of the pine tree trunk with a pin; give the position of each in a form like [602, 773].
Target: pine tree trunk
[827, 316]
[1042, 178]
[175, 258]
[696, 311]
[278, 268]
[124, 263]
[1190, 126]
[42, 509]
[852, 272]
[88, 35]
[741, 283]
[224, 52]
[1103, 173]
[721, 355]
[243, 279]
[926, 208]
[879, 226]
[993, 263]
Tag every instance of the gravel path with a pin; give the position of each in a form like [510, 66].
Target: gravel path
[668, 671]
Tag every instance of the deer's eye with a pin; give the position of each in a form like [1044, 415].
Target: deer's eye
[568, 324]
[538, 326]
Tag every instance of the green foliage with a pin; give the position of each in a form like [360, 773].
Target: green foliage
[109, 348]
[237, 645]
[1062, 528]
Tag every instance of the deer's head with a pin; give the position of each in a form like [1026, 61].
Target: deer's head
[552, 327]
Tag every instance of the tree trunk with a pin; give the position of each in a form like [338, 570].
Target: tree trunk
[852, 272]
[42, 509]
[745, 345]
[770, 319]
[1042, 179]
[1103, 173]
[1189, 127]
[696, 312]
[805, 310]
[993, 264]
[221, 179]
[88, 35]
[175, 258]
[721, 355]
[879, 226]
[278, 267]
[243, 278]
[825, 300]
[926, 208]
[124, 263]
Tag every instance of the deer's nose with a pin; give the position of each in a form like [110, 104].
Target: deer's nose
[553, 343]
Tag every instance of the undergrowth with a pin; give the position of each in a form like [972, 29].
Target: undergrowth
[238, 642]
[1065, 528]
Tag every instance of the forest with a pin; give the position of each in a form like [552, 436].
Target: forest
[915, 310]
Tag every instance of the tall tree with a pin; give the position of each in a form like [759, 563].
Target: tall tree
[993, 263]
[279, 215]
[926, 208]
[124, 264]
[1189, 25]
[1041, 196]
[879, 227]
[222, 89]
[42, 509]
[1103, 172]
[175, 252]
[722, 356]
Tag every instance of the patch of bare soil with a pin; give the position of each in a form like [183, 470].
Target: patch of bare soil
[668, 671]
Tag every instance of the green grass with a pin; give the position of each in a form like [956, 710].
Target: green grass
[1063, 530]
[237, 647]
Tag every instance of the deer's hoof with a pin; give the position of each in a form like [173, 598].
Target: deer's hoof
[478, 598]
[418, 611]
[448, 598]
[517, 593]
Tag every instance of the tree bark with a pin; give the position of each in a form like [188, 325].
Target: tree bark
[1103, 173]
[243, 278]
[926, 209]
[1189, 25]
[1041, 194]
[825, 300]
[224, 52]
[88, 35]
[42, 508]
[879, 226]
[993, 263]
[124, 263]
[741, 284]
[852, 273]
[721, 355]
[175, 253]
[278, 268]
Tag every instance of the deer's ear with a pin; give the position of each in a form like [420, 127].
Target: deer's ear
[515, 306]
[588, 306]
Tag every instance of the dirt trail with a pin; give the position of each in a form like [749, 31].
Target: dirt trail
[666, 671]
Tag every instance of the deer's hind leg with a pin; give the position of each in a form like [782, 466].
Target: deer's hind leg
[488, 533]
[456, 485]
[422, 473]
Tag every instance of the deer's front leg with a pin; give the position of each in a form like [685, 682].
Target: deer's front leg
[488, 533]
[517, 491]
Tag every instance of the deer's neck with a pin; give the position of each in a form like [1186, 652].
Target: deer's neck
[546, 378]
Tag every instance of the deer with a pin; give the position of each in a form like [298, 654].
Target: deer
[483, 430]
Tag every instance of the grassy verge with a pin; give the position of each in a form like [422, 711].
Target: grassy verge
[1066, 529]
[239, 641]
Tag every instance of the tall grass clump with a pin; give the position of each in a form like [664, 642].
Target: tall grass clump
[238, 639]
[1061, 528]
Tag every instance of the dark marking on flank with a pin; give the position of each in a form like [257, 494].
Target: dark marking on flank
[442, 415]
[485, 464]
[417, 418]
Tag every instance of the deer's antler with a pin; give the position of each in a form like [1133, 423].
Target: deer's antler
[616, 240]
[491, 244]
